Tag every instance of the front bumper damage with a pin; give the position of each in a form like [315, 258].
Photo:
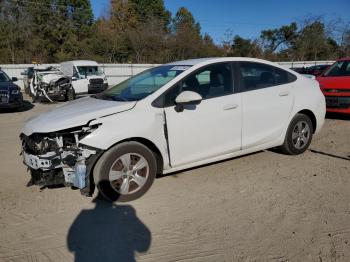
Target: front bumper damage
[58, 158]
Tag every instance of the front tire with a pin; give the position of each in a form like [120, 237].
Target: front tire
[70, 95]
[299, 135]
[125, 172]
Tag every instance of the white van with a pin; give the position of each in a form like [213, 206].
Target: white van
[87, 76]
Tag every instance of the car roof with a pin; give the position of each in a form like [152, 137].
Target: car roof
[192, 62]
[81, 63]
[45, 68]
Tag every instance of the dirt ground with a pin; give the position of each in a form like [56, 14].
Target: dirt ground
[261, 207]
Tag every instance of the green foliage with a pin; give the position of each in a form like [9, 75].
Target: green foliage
[274, 38]
[186, 35]
[147, 10]
[244, 47]
[45, 30]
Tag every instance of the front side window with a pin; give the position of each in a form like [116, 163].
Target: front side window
[4, 77]
[258, 76]
[210, 81]
[340, 68]
[143, 84]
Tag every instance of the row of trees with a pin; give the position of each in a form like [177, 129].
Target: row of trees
[311, 40]
[143, 31]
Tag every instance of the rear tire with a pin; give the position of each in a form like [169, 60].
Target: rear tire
[125, 172]
[299, 135]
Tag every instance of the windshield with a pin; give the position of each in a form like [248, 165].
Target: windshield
[4, 77]
[143, 84]
[89, 70]
[340, 68]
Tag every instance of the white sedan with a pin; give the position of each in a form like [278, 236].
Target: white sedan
[169, 118]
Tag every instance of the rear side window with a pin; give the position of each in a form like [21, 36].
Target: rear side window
[283, 77]
[256, 76]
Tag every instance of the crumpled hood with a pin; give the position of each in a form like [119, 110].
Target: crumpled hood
[51, 77]
[76, 113]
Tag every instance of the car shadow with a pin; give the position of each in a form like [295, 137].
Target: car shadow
[26, 107]
[108, 232]
[328, 154]
[337, 116]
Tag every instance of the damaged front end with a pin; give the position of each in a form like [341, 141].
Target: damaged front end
[50, 84]
[57, 89]
[57, 158]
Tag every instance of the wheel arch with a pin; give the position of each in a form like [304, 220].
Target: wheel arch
[312, 117]
[144, 141]
[150, 145]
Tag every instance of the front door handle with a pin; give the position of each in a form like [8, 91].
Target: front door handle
[284, 93]
[229, 107]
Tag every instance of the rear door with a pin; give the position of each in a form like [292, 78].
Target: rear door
[267, 100]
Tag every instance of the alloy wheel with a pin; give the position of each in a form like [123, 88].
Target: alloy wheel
[128, 173]
[301, 134]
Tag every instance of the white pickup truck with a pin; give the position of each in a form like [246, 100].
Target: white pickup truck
[87, 76]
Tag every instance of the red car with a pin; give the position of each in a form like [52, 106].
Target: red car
[335, 85]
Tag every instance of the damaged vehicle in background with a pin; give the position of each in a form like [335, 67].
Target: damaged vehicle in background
[87, 76]
[48, 84]
[169, 118]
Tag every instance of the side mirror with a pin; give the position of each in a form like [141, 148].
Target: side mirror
[187, 98]
[14, 79]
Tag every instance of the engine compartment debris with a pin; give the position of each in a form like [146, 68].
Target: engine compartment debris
[58, 158]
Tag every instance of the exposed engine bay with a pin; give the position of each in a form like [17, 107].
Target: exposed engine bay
[57, 158]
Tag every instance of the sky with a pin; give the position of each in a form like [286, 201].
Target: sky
[247, 18]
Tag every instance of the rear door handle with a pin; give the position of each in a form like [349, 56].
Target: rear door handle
[284, 93]
[229, 107]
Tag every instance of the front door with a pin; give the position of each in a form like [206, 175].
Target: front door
[213, 127]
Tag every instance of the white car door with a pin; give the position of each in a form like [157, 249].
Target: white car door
[211, 128]
[80, 85]
[267, 101]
